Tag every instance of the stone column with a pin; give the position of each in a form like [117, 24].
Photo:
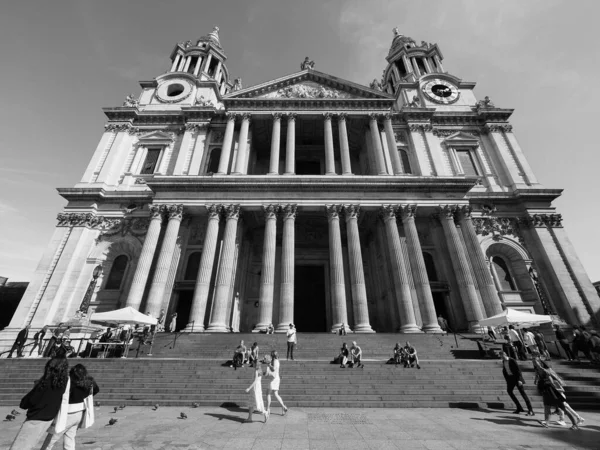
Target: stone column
[466, 285]
[438, 63]
[207, 260]
[227, 141]
[419, 272]
[165, 258]
[267, 275]
[483, 276]
[401, 283]
[175, 62]
[207, 63]
[286, 305]
[344, 146]
[375, 137]
[223, 285]
[188, 60]
[242, 154]
[357, 273]
[329, 156]
[290, 151]
[391, 143]
[275, 144]
[198, 65]
[140, 278]
[336, 263]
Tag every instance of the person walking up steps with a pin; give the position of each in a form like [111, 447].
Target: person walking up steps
[38, 341]
[291, 341]
[273, 372]
[514, 378]
[20, 342]
[255, 400]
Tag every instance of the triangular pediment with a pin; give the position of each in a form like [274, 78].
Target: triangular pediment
[309, 85]
[461, 138]
[156, 137]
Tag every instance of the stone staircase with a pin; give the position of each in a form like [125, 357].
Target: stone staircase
[192, 370]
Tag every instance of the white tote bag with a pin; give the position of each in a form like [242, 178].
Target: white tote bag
[60, 422]
[88, 415]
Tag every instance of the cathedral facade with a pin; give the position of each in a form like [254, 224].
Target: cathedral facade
[311, 200]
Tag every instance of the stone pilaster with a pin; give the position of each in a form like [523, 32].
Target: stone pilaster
[286, 305]
[275, 144]
[344, 146]
[391, 143]
[329, 155]
[140, 278]
[403, 298]
[223, 284]
[267, 277]
[460, 264]
[290, 150]
[165, 257]
[202, 288]
[357, 273]
[483, 276]
[336, 262]
[227, 141]
[241, 162]
[377, 148]
[419, 272]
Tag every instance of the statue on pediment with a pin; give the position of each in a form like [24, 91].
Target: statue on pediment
[237, 85]
[131, 101]
[485, 103]
[415, 102]
[375, 84]
[204, 102]
[307, 64]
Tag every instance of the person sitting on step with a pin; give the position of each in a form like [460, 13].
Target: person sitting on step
[398, 354]
[356, 355]
[239, 355]
[253, 355]
[343, 357]
[411, 357]
[270, 329]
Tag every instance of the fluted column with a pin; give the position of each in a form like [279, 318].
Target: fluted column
[286, 297]
[329, 155]
[223, 283]
[336, 263]
[290, 149]
[344, 146]
[227, 141]
[202, 288]
[401, 283]
[419, 271]
[140, 278]
[377, 148]
[460, 264]
[175, 62]
[275, 144]
[485, 282]
[267, 276]
[391, 143]
[165, 259]
[357, 273]
[242, 154]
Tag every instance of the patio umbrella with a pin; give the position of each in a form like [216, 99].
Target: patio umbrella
[518, 319]
[123, 316]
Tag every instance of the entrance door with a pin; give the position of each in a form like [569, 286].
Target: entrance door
[309, 299]
[439, 301]
[184, 307]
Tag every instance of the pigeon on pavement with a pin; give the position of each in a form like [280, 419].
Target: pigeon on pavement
[10, 417]
[112, 421]
[195, 405]
[183, 415]
[14, 412]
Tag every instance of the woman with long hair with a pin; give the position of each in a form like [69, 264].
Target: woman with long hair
[42, 404]
[82, 385]
[273, 372]
[255, 401]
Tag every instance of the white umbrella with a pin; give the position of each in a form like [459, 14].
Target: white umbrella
[127, 315]
[517, 318]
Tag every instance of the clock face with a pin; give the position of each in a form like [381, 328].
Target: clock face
[441, 91]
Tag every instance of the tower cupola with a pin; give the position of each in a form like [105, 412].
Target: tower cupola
[204, 59]
[408, 61]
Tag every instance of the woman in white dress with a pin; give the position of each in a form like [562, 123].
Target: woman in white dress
[273, 372]
[255, 399]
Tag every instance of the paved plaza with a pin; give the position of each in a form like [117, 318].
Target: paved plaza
[324, 428]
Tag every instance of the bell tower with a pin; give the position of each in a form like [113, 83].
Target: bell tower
[409, 61]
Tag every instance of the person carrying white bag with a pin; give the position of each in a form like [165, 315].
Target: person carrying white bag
[77, 413]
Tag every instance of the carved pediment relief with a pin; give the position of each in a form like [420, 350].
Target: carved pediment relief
[307, 90]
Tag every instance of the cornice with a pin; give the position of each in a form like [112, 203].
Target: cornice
[265, 104]
[99, 193]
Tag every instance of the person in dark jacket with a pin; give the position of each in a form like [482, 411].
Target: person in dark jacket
[514, 378]
[564, 342]
[82, 385]
[38, 341]
[52, 342]
[20, 342]
[42, 404]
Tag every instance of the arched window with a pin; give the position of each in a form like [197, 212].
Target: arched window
[502, 274]
[117, 272]
[405, 161]
[213, 162]
[430, 267]
[193, 264]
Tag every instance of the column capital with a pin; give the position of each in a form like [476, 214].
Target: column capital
[156, 211]
[408, 211]
[388, 212]
[342, 117]
[351, 211]
[447, 211]
[246, 116]
[231, 116]
[389, 116]
[276, 115]
[270, 211]
[375, 116]
[289, 211]
[465, 211]
[291, 116]
[232, 212]
[214, 211]
[174, 212]
[333, 211]
[328, 115]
